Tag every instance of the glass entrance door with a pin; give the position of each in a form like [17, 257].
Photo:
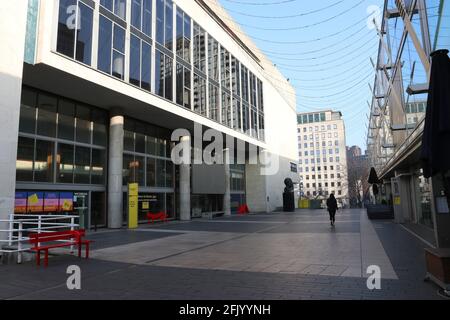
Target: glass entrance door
[98, 210]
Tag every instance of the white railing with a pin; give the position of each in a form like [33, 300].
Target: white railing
[25, 223]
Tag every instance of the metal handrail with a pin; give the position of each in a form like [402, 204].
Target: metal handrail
[41, 227]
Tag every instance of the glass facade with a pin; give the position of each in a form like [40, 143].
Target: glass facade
[140, 63]
[60, 141]
[204, 77]
[75, 23]
[146, 158]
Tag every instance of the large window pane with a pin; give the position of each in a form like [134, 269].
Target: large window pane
[27, 121]
[147, 18]
[66, 27]
[83, 129]
[104, 45]
[120, 8]
[168, 78]
[213, 102]
[160, 21]
[136, 12]
[108, 4]
[128, 141]
[100, 118]
[213, 58]
[179, 82]
[119, 38]
[199, 48]
[118, 65]
[146, 69]
[161, 173]
[151, 172]
[162, 147]
[140, 170]
[135, 61]
[199, 95]
[24, 163]
[84, 35]
[151, 145]
[46, 115]
[66, 120]
[169, 174]
[98, 166]
[159, 76]
[140, 143]
[65, 163]
[169, 24]
[128, 171]
[82, 164]
[43, 165]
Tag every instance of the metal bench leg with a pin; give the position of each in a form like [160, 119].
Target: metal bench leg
[79, 249]
[38, 257]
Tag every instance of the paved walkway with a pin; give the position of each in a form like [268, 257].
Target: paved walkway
[266, 256]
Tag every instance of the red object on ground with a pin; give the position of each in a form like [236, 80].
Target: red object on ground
[243, 209]
[162, 216]
[73, 238]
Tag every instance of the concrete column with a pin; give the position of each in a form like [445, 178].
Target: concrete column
[13, 21]
[115, 166]
[185, 181]
[227, 195]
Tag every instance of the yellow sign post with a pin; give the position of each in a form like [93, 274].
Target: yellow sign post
[133, 192]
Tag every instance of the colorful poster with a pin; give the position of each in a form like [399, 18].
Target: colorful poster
[20, 202]
[35, 202]
[66, 201]
[51, 201]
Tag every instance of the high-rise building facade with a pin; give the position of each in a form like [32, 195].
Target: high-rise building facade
[93, 90]
[322, 155]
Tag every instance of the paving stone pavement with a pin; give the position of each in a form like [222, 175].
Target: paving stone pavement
[258, 257]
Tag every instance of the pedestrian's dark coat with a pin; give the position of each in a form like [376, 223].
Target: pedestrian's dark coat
[436, 134]
[332, 204]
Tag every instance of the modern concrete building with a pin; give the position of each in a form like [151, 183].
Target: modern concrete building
[322, 155]
[397, 118]
[91, 92]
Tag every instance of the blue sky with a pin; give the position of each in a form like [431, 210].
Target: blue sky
[323, 47]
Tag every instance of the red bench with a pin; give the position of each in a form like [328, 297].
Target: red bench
[243, 209]
[52, 240]
[162, 216]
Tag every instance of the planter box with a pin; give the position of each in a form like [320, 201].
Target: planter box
[379, 212]
[438, 264]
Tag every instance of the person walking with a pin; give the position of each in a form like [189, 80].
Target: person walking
[332, 208]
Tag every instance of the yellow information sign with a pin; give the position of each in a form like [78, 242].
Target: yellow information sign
[397, 201]
[133, 191]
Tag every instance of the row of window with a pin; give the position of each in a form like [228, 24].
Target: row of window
[36, 162]
[323, 135]
[326, 184]
[49, 116]
[318, 153]
[320, 193]
[316, 128]
[325, 176]
[235, 94]
[416, 107]
[325, 168]
[317, 145]
[311, 118]
[319, 160]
